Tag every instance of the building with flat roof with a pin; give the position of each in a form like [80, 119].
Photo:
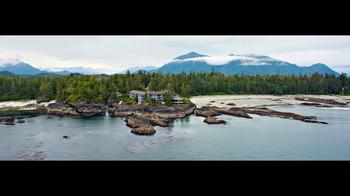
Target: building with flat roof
[139, 95]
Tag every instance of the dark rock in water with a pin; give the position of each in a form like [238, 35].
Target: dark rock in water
[211, 111]
[235, 112]
[141, 117]
[156, 121]
[10, 123]
[319, 100]
[140, 126]
[66, 137]
[286, 115]
[10, 119]
[143, 130]
[6, 118]
[134, 122]
[222, 103]
[90, 109]
[206, 112]
[323, 106]
[64, 109]
[212, 101]
[213, 120]
[315, 104]
[20, 121]
[231, 104]
[310, 104]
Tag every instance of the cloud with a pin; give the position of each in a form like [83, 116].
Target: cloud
[248, 59]
[115, 53]
[218, 60]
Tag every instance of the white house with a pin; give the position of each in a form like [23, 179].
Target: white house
[157, 95]
[140, 95]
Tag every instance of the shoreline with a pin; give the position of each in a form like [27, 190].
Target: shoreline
[260, 100]
[142, 118]
[198, 100]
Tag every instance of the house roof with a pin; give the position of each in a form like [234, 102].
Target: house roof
[157, 92]
[136, 92]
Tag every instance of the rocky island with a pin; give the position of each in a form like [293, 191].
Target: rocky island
[142, 118]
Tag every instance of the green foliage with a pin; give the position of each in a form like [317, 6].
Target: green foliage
[98, 89]
[132, 100]
[186, 100]
[122, 98]
[167, 99]
[151, 101]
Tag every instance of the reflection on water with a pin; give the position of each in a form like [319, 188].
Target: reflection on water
[105, 138]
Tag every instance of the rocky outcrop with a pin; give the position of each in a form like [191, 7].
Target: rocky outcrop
[235, 112]
[61, 109]
[90, 109]
[213, 120]
[143, 130]
[142, 118]
[10, 123]
[320, 101]
[27, 111]
[65, 109]
[206, 111]
[6, 118]
[315, 104]
[140, 126]
[287, 115]
[211, 111]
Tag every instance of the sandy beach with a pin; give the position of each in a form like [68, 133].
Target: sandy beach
[257, 100]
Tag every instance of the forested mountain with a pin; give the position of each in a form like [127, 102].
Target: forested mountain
[18, 67]
[239, 64]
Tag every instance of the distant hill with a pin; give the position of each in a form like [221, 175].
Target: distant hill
[6, 73]
[239, 64]
[18, 67]
[137, 68]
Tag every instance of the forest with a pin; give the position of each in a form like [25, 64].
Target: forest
[104, 88]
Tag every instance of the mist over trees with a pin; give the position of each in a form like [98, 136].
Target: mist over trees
[103, 88]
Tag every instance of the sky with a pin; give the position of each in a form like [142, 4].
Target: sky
[112, 54]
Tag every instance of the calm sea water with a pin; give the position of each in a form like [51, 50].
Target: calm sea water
[107, 138]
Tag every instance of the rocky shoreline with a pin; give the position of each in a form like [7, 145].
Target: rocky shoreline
[142, 118]
[212, 111]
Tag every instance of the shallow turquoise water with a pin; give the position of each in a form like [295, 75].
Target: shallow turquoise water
[107, 138]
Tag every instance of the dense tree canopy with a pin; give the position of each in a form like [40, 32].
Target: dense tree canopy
[104, 88]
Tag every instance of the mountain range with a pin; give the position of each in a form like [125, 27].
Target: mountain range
[18, 67]
[137, 68]
[191, 62]
[239, 64]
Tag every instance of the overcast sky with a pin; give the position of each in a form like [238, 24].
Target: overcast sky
[112, 54]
